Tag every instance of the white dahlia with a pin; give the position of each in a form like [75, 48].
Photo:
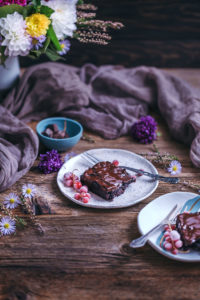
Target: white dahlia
[63, 18]
[16, 39]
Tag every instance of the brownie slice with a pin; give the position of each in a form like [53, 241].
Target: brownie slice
[188, 225]
[106, 180]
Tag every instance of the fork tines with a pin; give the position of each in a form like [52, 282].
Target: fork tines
[90, 158]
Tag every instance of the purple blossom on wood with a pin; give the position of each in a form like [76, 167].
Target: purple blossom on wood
[144, 131]
[50, 162]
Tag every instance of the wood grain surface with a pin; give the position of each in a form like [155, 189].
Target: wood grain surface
[156, 33]
[84, 253]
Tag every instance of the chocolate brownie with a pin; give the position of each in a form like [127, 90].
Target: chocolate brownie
[188, 225]
[106, 180]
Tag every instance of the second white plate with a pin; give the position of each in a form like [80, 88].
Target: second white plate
[154, 212]
[136, 192]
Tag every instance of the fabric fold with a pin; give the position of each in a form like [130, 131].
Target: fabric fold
[106, 99]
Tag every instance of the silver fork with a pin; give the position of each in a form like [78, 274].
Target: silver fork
[141, 241]
[173, 180]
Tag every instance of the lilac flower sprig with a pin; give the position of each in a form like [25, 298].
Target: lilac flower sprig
[50, 162]
[144, 131]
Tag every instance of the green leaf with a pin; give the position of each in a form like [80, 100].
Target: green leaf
[46, 45]
[3, 57]
[159, 134]
[36, 2]
[80, 2]
[51, 34]
[20, 222]
[10, 9]
[45, 10]
[75, 35]
[53, 55]
[37, 53]
[28, 10]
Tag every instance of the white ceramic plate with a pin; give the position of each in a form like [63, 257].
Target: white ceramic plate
[136, 192]
[154, 212]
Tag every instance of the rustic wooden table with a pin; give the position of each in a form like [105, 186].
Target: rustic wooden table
[84, 253]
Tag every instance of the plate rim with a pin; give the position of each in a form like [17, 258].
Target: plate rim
[108, 207]
[159, 250]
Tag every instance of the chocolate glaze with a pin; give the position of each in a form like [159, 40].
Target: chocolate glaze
[188, 226]
[106, 180]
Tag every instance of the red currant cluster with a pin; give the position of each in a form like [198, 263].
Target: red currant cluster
[71, 180]
[172, 241]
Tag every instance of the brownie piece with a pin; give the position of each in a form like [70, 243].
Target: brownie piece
[188, 225]
[106, 180]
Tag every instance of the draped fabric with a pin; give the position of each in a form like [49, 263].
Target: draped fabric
[106, 99]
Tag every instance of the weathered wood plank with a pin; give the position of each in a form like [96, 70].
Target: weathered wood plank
[84, 253]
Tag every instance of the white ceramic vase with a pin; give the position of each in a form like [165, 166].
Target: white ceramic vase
[9, 73]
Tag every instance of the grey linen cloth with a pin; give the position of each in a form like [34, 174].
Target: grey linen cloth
[106, 99]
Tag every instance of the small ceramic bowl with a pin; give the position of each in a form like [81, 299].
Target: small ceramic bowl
[74, 130]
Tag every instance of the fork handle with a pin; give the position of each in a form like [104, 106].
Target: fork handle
[141, 241]
[172, 180]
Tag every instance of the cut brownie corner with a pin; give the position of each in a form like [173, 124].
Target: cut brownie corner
[188, 225]
[106, 180]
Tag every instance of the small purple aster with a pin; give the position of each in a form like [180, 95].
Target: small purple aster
[37, 42]
[144, 131]
[174, 167]
[50, 162]
[65, 45]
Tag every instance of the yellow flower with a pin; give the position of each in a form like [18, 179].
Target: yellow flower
[37, 24]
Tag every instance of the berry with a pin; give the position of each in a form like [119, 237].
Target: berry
[166, 233]
[174, 235]
[68, 183]
[85, 199]
[167, 246]
[77, 185]
[178, 244]
[115, 163]
[166, 227]
[84, 189]
[68, 176]
[175, 251]
[167, 238]
[88, 195]
[77, 196]
[83, 195]
[140, 174]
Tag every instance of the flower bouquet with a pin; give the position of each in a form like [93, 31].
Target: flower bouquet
[45, 26]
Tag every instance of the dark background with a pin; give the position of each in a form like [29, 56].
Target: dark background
[161, 33]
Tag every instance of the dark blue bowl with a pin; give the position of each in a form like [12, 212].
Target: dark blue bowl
[74, 130]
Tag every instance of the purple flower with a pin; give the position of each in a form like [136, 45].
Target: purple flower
[144, 131]
[37, 42]
[50, 162]
[65, 45]
[9, 2]
[174, 167]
